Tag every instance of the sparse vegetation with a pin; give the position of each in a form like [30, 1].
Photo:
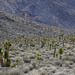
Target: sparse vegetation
[32, 47]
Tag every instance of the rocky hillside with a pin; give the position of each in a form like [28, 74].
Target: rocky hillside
[54, 12]
[12, 26]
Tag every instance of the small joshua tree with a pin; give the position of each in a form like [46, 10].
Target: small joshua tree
[43, 42]
[64, 40]
[60, 52]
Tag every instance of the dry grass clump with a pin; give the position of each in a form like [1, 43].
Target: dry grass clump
[14, 71]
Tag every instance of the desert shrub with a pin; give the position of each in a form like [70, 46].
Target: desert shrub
[58, 63]
[14, 65]
[26, 69]
[38, 56]
[31, 66]
[26, 59]
[34, 64]
[72, 59]
[14, 71]
[32, 44]
[17, 60]
[60, 52]
[65, 58]
[56, 54]
[32, 57]
[68, 47]
[20, 45]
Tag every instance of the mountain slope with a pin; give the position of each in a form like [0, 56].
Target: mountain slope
[54, 12]
[12, 26]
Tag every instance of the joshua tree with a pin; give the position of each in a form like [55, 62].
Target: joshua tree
[1, 57]
[72, 39]
[59, 38]
[60, 52]
[5, 57]
[54, 51]
[48, 40]
[50, 46]
[8, 62]
[64, 40]
[38, 40]
[62, 35]
[43, 42]
[7, 45]
[53, 41]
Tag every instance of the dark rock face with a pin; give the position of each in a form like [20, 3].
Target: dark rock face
[54, 12]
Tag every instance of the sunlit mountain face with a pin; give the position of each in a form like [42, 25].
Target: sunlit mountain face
[60, 13]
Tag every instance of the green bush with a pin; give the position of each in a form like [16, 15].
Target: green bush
[17, 60]
[14, 65]
[32, 44]
[60, 52]
[38, 56]
[56, 54]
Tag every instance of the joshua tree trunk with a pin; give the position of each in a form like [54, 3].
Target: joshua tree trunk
[60, 56]
[1, 60]
[54, 52]
[63, 43]
[5, 61]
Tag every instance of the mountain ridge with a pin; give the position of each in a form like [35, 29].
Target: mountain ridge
[60, 13]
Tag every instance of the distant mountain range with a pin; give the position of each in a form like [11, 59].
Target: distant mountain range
[60, 13]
